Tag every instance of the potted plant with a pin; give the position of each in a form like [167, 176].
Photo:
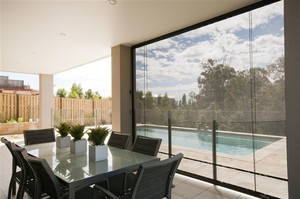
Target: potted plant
[98, 150]
[78, 144]
[63, 141]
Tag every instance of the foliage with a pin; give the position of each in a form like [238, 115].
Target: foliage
[19, 120]
[76, 91]
[61, 92]
[63, 129]
[227, 94]
[213, 81]
[77, 131]
[97, 135]
[11, 121]
[149, 101]
[89, 94]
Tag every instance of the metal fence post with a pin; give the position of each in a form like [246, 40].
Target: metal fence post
[170, 133]
[214, 148]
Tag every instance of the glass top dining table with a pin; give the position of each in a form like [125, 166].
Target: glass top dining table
[78, 171]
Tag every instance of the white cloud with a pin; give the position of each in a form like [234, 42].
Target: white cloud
[175, 91]
[228, 40]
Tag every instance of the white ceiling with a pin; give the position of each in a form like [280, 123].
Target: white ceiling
[51, 36]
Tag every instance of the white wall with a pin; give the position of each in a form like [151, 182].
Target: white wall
[46, 101]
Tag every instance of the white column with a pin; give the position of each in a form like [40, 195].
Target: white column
[292, 76]
[46, 102]
[121, 89]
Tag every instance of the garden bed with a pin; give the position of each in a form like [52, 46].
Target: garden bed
[16, 128]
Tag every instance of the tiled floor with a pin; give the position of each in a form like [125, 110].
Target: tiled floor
[185, 187]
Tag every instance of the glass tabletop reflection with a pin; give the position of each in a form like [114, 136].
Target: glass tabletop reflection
[74, 167]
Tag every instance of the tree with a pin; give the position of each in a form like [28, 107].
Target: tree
[149, 101]
[76, 91]
[61, 92]
[213, 80]
[159, 101]
[165, 101]
[276, 70]
[89, 94]
[183, 100]
[97, 96]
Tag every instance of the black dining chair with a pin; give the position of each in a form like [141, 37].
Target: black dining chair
[119, 140]
[20, 172]
[153, 180]
[26, 179]
[146, 145]
[16, 173]
[45, 181]
[37, 136]
[123, 182]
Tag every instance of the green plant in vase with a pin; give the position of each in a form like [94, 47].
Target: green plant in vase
[98, 135]
[63, 141]
[78, 145]
[63, 129]
[98, 151]
[77, 131]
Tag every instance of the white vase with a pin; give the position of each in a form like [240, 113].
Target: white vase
[63, 142]
[79, 146]
[98, 153]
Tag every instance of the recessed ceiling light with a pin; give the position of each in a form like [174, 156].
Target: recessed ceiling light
[62, 34]
[112, 2]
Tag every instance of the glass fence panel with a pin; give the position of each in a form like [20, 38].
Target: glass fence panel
[236, 177]
[88, 117]
[271, 186]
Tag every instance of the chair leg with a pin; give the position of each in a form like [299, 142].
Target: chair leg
[20, 194]
[11, 188]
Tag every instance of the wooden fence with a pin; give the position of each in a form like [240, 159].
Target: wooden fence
[85, 111]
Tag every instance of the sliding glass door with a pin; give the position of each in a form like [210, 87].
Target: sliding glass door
[216, 94]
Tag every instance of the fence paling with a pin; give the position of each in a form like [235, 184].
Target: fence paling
[13, 106]
[8, 106]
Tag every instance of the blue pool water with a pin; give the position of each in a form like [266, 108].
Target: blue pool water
[233, 144]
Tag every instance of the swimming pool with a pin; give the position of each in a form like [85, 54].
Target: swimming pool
[227, 143]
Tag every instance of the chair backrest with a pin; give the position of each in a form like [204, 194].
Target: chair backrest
[118, 140]
[146, 145]
[17, 151]
[46, 180]
[154, 179]
[26, 170]
[15, 160]
[37, 136]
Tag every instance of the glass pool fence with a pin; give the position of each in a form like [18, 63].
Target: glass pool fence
[246, 156]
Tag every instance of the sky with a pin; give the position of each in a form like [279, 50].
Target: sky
[95, 76]
[174, 64]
